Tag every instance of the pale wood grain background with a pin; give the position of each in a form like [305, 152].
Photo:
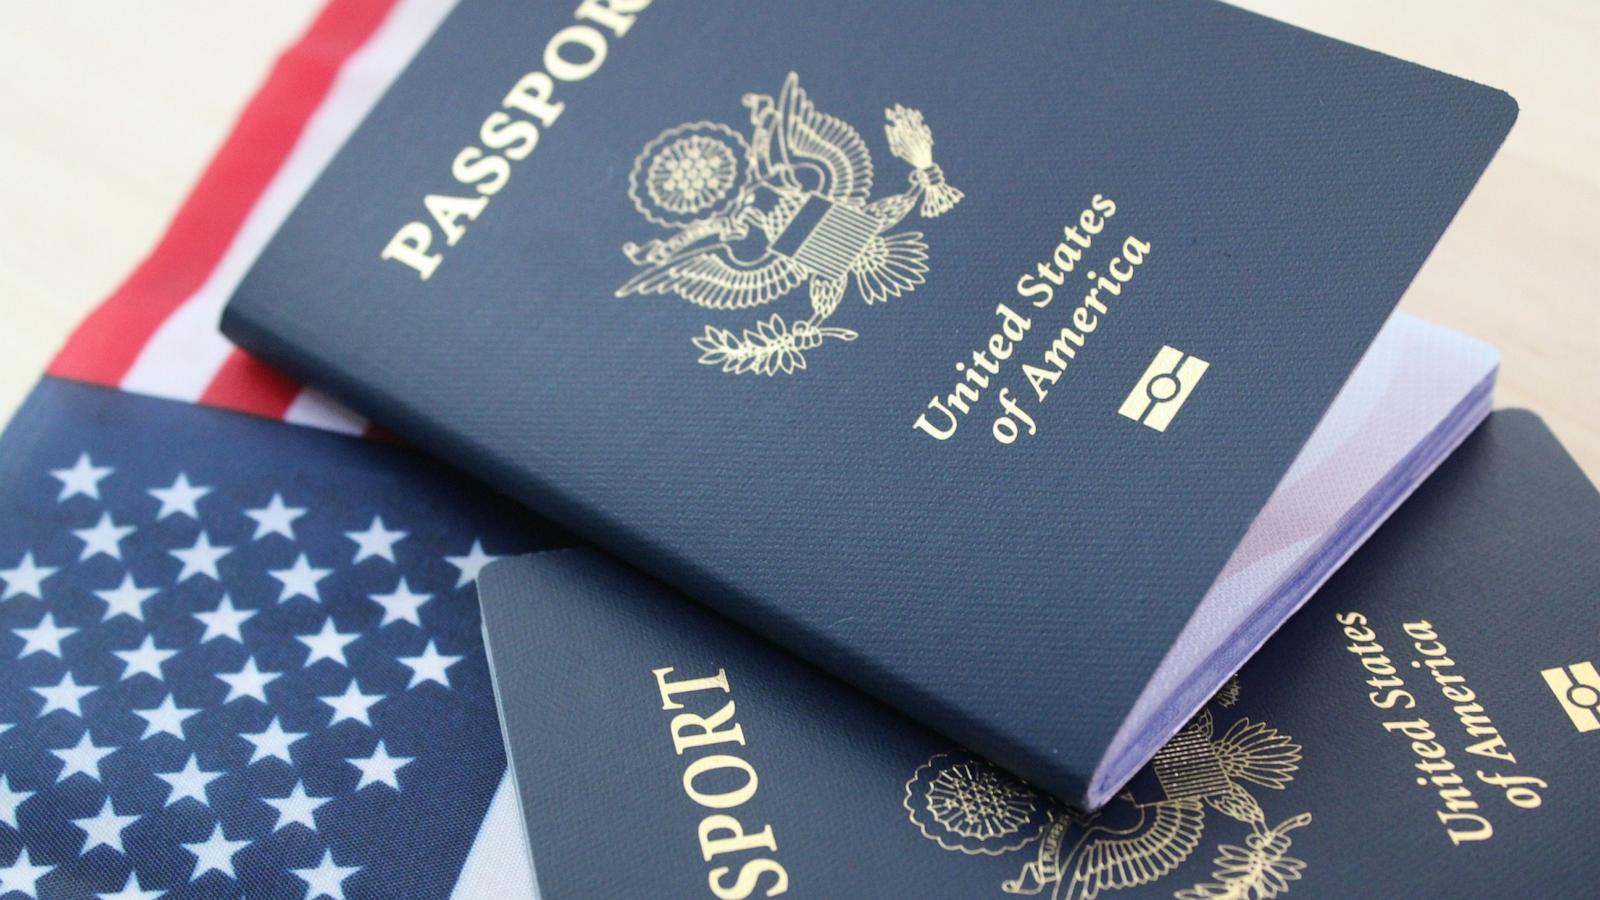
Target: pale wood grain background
[110, 108]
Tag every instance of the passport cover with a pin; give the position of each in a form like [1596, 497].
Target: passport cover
[1424, 727]
[872, 329]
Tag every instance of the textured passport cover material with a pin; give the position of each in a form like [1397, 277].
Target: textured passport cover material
[697, 271]
[1425, 727]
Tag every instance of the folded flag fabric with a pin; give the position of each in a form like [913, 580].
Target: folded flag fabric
[157, 334]
[238, 657]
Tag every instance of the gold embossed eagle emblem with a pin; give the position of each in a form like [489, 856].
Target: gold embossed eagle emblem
[964, 803]
[755, 218]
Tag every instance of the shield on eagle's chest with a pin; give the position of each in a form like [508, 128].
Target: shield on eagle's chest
[826, 237]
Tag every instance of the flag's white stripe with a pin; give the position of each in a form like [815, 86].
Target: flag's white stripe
[318, 410]
[499, 865]
[183, 356]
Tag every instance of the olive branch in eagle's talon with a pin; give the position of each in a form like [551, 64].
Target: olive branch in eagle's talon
[768, 348]
[1259, 870]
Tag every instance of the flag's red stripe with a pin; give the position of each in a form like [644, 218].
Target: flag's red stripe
[249, 385]
[107, 343]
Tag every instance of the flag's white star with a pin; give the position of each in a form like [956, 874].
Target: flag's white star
[104, 828]
[328, 643]
[131, 891]
[146, 659]
[380, 768]
[402, 605]
[44, 637]
[65, 694]
[25, 580]
[430, 666]
[275, 518]
[167, 718]
[325, 879]
[82, 759]
[352, 704]
[214, 854]
[300, 580]
[375, 541]
[471, 564]
[22, 875]
[126, 599]
[296, 808]
[190, 781]
[105, 537]
[274, 741]
[83, 478]
[9, 801]
[201, 559]
[224, 621]
[180, 498]
[249, 681]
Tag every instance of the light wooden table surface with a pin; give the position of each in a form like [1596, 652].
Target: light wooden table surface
[111, 108]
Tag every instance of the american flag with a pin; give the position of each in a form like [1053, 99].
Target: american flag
[157, 335]
[238, 658]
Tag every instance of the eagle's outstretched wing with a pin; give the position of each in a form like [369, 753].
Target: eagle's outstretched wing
[1258, 753]
[807, 136]
[1111, 859]
[712, 277]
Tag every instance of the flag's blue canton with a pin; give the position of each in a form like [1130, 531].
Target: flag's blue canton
[237, 657]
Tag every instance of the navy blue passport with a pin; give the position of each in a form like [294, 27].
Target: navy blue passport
[1425, 727]
[955, 347]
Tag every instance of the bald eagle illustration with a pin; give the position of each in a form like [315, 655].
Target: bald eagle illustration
[755, 219]
[964, 803]
[1131, 843]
